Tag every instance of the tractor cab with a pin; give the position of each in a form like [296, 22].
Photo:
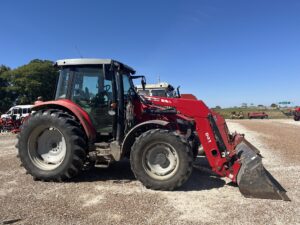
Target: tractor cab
[96, 85]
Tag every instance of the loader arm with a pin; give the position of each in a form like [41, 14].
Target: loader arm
[211, 129]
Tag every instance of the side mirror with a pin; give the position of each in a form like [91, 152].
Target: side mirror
[143, 83]
[143, 80]
[178, 92]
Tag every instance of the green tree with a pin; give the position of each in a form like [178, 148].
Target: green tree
[5, 97]
[3, 69]
[37, 78]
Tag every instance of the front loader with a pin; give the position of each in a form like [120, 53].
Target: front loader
[229, 155]
[98, 118]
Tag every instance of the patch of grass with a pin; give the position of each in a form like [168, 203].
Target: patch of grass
[273, 113]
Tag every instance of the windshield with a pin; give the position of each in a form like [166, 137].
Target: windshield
[128, 85]
[144, 92]
[160, 93]
[16, 111]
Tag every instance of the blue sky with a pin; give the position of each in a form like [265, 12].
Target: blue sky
[224, 52]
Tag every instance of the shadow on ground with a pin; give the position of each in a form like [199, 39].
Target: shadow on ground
[202, 177]
[119, 171]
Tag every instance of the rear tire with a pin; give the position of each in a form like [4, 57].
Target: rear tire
[51, 146]
[296, 118]
[161, 159]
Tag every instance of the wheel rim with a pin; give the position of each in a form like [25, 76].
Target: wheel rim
[47, 147]
[160, 161]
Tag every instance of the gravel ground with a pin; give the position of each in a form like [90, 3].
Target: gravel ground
[113, 196]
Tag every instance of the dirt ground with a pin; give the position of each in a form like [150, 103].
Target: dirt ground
[113, 196]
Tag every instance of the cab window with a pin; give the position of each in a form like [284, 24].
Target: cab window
[62, 85]
[94, 93]
[128, 85]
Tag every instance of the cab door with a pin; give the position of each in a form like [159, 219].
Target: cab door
[93, 91]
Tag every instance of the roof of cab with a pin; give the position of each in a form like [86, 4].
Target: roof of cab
[90, 61]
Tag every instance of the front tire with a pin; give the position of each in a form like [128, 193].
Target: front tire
[161, 159]
[51, 146]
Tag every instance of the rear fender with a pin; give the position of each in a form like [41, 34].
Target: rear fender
[137, 130]
[74, 110]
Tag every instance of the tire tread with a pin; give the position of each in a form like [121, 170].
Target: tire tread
[77, 138]
[140, 174]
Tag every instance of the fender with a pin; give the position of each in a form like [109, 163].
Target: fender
[141, 127]
[75, 110]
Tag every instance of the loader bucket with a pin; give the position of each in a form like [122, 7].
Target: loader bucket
[253, 179]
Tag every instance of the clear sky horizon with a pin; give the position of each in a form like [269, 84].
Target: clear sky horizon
[224, 52]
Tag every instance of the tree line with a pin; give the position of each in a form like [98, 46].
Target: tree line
[26, 83]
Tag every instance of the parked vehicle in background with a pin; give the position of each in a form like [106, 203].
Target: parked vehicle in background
[161, 89]
[11, 124]
[258, 115]
[297, 114]
[235, 115]
[17, 112]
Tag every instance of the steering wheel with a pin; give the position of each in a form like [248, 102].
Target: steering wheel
[107, 87]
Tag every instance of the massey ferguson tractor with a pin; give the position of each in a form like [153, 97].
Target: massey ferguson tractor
[97, 117]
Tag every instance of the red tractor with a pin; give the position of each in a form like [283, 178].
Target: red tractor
[97, 117]
[297, 114]
[10, 124]
[258, 115]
